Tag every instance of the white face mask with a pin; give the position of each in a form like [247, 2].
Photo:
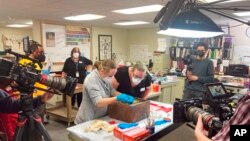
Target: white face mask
[136, 81]
[108, 79]
[76, 55]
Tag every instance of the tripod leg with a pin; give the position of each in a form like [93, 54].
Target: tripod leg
[20, 128]
[41, 128]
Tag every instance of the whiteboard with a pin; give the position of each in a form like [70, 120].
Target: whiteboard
[59, 40]
[239, 52]
[139, 53]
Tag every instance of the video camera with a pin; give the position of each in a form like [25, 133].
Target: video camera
[189, 59]
[26, 75]
[219, 110]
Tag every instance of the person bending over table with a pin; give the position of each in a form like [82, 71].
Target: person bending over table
[98, 93]
[134, 80]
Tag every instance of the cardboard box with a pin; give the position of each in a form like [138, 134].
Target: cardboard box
[136, 134]
[129, 113]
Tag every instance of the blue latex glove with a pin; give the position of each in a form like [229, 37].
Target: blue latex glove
[160, 122]
[46, 72]
[125, 98]
[127, 125]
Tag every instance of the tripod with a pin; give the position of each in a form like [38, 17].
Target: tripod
[29, 121]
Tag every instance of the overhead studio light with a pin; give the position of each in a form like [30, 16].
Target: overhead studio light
[142, 9]
[85, 17]
[192, 24]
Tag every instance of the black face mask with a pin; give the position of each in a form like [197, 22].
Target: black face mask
[41, 58]
[200, 53]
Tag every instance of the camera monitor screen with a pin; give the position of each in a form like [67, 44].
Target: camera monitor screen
[216, 90]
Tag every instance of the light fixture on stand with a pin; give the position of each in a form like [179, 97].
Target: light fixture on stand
[192, 24]
[182, 18]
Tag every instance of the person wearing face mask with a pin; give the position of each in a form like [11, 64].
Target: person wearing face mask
[202, 72]
[76, 66]
[98, 93]
[134, 80]
[37, 53]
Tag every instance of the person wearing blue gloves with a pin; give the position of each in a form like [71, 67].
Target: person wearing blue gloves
[98, 93]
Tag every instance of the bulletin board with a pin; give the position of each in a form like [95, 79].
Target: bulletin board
[13, 42]
[239, 52]
[59, 40]
[139, 53]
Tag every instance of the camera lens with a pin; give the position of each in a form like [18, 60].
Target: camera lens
[194, 112]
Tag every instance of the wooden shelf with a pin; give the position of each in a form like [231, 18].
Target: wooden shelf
[65, 111]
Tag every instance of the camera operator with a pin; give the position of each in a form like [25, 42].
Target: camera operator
[36, 51]
[240, 117]
[201, 72]
[8, 105]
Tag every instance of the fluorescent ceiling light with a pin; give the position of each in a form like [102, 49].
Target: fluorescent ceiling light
[85, 17]
[131, 23]
[142, 9]
[242, 14]
[17, 25]
[189, 33]
[29, 23]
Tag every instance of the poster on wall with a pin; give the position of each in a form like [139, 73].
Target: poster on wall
[59, 40]
[139, 53]
[50, 39]
[105, 47]
[55, 49]
[79, 36]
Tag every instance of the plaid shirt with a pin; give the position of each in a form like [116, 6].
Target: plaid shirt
[240, 117]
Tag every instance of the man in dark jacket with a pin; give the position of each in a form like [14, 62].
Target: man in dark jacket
[202, 72]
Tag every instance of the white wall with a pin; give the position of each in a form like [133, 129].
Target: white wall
[119, 41]
[14, 32]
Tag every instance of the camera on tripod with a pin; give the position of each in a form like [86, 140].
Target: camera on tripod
[26, 75]
[219, 110]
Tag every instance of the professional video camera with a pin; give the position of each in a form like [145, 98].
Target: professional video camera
[25, 75]
[219, 109]
[189, 59]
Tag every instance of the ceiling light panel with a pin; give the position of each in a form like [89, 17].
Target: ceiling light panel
[131, 23]
[142, 9]
[18, 25]
[85, 17]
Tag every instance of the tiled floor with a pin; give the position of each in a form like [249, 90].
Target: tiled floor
[57, 130]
